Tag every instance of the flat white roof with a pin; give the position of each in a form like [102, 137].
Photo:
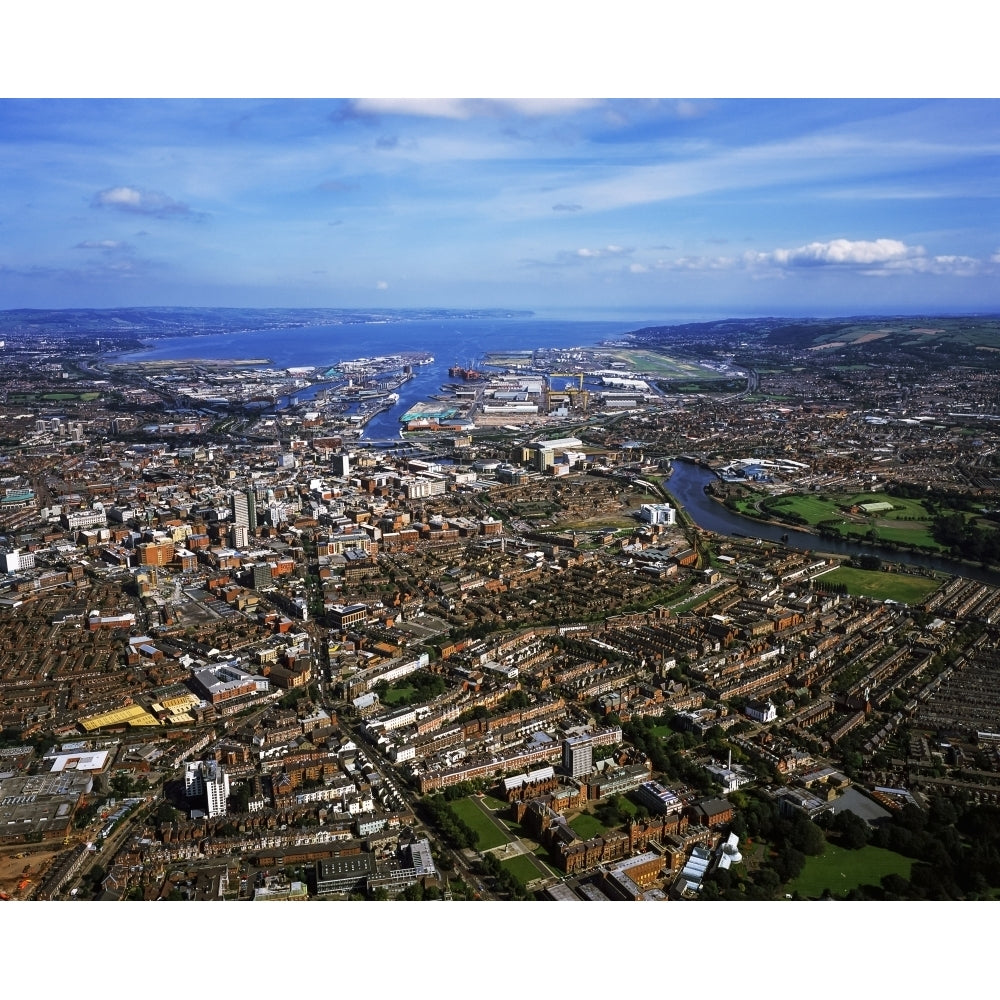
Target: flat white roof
[92, 760]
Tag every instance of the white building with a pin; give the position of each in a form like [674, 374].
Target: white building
[216, 787]
[658, 513]
[209, 779]
[79, 519]
[239, 536]
[194, 786]
[542, 454]
[729, 777]
[658, 798]
[17, 560]
[578, 755]
[761, 711]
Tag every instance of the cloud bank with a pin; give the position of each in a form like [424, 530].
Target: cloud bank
[877, 258]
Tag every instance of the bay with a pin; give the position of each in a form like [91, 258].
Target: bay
[450, 342]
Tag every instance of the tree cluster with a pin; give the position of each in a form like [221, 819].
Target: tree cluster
[424, 686]
[956, 845]
[504, 882]
[454, 830]
[790, 840]
[966, 539]
[666, 755]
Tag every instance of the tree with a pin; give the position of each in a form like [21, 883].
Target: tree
[517, 699]
[166, 813]
[852, 829]
[789, 863]
[723, 878]
[895, 886]
[121, 784]
[767, 881]
[808, 837]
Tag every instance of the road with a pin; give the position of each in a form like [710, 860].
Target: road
[111, 845]
[410, 800]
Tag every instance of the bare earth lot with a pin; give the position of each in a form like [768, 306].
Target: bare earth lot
[14, 859]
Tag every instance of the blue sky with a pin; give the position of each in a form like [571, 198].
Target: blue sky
[715, 206]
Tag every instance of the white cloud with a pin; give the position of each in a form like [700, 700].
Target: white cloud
[953, 264]
[609, 251]
[581, 256]
[699, 169]
[697, 263]
[102, 245]
[139, 202]
[539, 106]
[876, 258]
[881, 251]
[462, 109]
[381, 285]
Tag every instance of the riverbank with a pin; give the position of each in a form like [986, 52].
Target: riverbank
[687, 486]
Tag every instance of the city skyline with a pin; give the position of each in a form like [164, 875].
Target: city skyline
[679, 207]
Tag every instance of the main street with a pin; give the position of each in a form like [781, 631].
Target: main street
[409, 801]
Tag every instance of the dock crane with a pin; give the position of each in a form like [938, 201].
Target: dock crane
[576, 396]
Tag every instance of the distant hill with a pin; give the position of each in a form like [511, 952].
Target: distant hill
[168, 321]
[958, 338]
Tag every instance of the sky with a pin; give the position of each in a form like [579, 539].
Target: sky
[743, 206]
[718, 205]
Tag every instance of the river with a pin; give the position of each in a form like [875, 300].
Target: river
[687, 486]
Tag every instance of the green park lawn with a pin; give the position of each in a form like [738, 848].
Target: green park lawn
[627, 806]
[490, 834]
[586, 826]
[841, 870]
[899, 587]
[913, 533]
[525, 869]
[397, 695]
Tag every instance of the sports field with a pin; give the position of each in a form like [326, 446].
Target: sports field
[899, 587]
[907, 523]
[840, 870]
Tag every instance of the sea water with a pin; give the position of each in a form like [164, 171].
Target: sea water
[449, 341]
